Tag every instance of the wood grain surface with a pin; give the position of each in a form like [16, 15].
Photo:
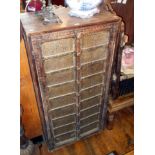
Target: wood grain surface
[31, 120]
[130, 153]
[33, 25]
[121, 102]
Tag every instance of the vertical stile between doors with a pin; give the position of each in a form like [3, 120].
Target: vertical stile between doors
[78, 81]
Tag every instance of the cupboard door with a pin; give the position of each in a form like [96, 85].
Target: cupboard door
[93, 57]
[56, 69]
[59, 66]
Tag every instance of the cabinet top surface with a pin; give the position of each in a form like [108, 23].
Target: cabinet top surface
[32, 24]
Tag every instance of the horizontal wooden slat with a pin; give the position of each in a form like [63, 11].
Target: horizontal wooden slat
[60, 76]
[61, 112]
[87, 93]
[65, 138]
[89, 132]
[62, 101]
[95, 39]
[90, 102]
[95, 105]
[64, 129]
[62, 89]
[92, 68]
[94, 54]
[92, 80]
[89, 120]
[64, 120]
[61, 126]
[97, 113]
[58, 46]
[89, 111]
[86, 130]
[89, 124]
[56, 63]
[64, 106]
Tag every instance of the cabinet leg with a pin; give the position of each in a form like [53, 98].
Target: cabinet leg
[110, 123]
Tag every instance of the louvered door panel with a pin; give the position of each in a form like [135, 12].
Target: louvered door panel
[94, 51]
[59, 66]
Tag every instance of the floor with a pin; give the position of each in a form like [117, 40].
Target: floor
[119, 139]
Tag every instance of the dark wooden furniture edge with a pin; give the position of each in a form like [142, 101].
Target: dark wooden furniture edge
[117, 63]
[121, 102]
[116, 105]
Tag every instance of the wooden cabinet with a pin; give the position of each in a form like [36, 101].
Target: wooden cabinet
[71, 64]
